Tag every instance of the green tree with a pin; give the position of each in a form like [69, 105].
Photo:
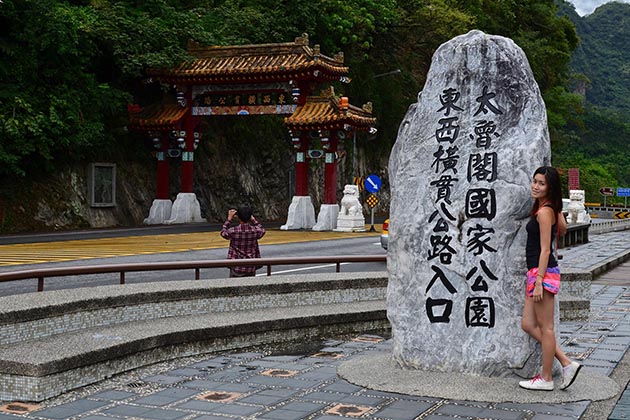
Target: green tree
[68, 68]
[67, 71]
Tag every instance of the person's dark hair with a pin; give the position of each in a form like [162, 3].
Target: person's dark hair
[555, 188]
[244, 213]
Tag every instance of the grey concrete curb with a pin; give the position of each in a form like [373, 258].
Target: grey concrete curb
[69, 351]
[60, 302]
[610, 263]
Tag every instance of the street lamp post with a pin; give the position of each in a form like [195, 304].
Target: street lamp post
[387, 74]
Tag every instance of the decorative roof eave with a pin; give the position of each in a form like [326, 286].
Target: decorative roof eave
[157, 118]
[329, 112]
[248, 63]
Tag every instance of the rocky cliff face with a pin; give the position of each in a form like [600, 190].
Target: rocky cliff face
[260, 174]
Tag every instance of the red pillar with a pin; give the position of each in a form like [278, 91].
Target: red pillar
[163, 169]
[301, 167]
[189, 149]
[301, 158]
[330, 171]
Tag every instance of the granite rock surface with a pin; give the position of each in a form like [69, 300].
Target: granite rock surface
[460, 173]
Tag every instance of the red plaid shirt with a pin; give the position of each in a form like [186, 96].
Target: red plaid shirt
[243, 242]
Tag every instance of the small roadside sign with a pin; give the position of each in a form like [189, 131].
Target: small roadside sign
[623, 192]
[372, 201]
[574, 179]
[372, 183]
[607, 191]
[359, 182]
[621, 215]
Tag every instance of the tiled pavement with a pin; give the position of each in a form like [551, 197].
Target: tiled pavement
[600, 250]
[275, 387]
[302, 384]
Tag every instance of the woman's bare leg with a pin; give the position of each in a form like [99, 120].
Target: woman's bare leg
[544, 317]
[530, 325]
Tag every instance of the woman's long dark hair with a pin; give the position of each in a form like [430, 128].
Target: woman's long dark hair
[555, 189]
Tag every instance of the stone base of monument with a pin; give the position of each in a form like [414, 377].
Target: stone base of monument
[159, 213]
[327, 217]
[185, 209]
[348, 223]
[378, 371]
[301, 214]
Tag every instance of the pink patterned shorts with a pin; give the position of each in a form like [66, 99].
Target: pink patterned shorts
[551, 281]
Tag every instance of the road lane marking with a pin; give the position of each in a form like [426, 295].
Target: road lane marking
[73, 250]
[315, 267]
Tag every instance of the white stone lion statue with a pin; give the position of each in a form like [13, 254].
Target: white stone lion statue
[350, 205]
[576, 210]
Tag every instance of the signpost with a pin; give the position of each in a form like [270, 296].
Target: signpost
[606, 192]
[625, 193]
[372, 184]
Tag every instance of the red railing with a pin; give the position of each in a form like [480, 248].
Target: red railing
[43, 273]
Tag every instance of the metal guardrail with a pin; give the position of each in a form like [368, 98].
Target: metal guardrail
[612, 225]
[41, 274]
[577, 233]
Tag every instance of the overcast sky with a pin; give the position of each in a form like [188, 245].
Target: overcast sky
[586, 7]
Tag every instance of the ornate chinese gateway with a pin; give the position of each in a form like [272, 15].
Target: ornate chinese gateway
[246, 80]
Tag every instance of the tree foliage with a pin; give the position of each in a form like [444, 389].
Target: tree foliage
[595, 139]
[599, 148]
[603, 55]
[68, 68]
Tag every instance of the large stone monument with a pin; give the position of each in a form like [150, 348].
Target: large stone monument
[460, 173]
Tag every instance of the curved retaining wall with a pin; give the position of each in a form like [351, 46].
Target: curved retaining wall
[52, 342]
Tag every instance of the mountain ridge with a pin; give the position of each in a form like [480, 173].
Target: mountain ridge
[602, 55]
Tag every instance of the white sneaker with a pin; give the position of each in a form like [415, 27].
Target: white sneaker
[537, 383]
[569, 373]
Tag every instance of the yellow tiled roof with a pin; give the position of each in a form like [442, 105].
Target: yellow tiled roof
[330, 112]
[255, 63]
[160, 117]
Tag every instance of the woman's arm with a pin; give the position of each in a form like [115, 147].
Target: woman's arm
[562, 224]
[545, 219]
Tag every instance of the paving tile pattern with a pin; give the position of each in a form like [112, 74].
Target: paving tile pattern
[176, 390]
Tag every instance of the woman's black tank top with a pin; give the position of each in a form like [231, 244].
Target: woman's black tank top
[532, 249]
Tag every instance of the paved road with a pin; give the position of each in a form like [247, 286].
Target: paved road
[71, 246]
[301, 382]
[175, 247]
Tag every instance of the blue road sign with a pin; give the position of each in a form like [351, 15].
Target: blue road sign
[372, 183]
[623, 192]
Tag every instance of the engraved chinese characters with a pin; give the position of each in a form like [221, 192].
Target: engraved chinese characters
[459, 174]
[479, 203]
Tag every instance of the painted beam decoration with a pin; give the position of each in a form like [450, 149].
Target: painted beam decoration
[460, 172]
[273, 98]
